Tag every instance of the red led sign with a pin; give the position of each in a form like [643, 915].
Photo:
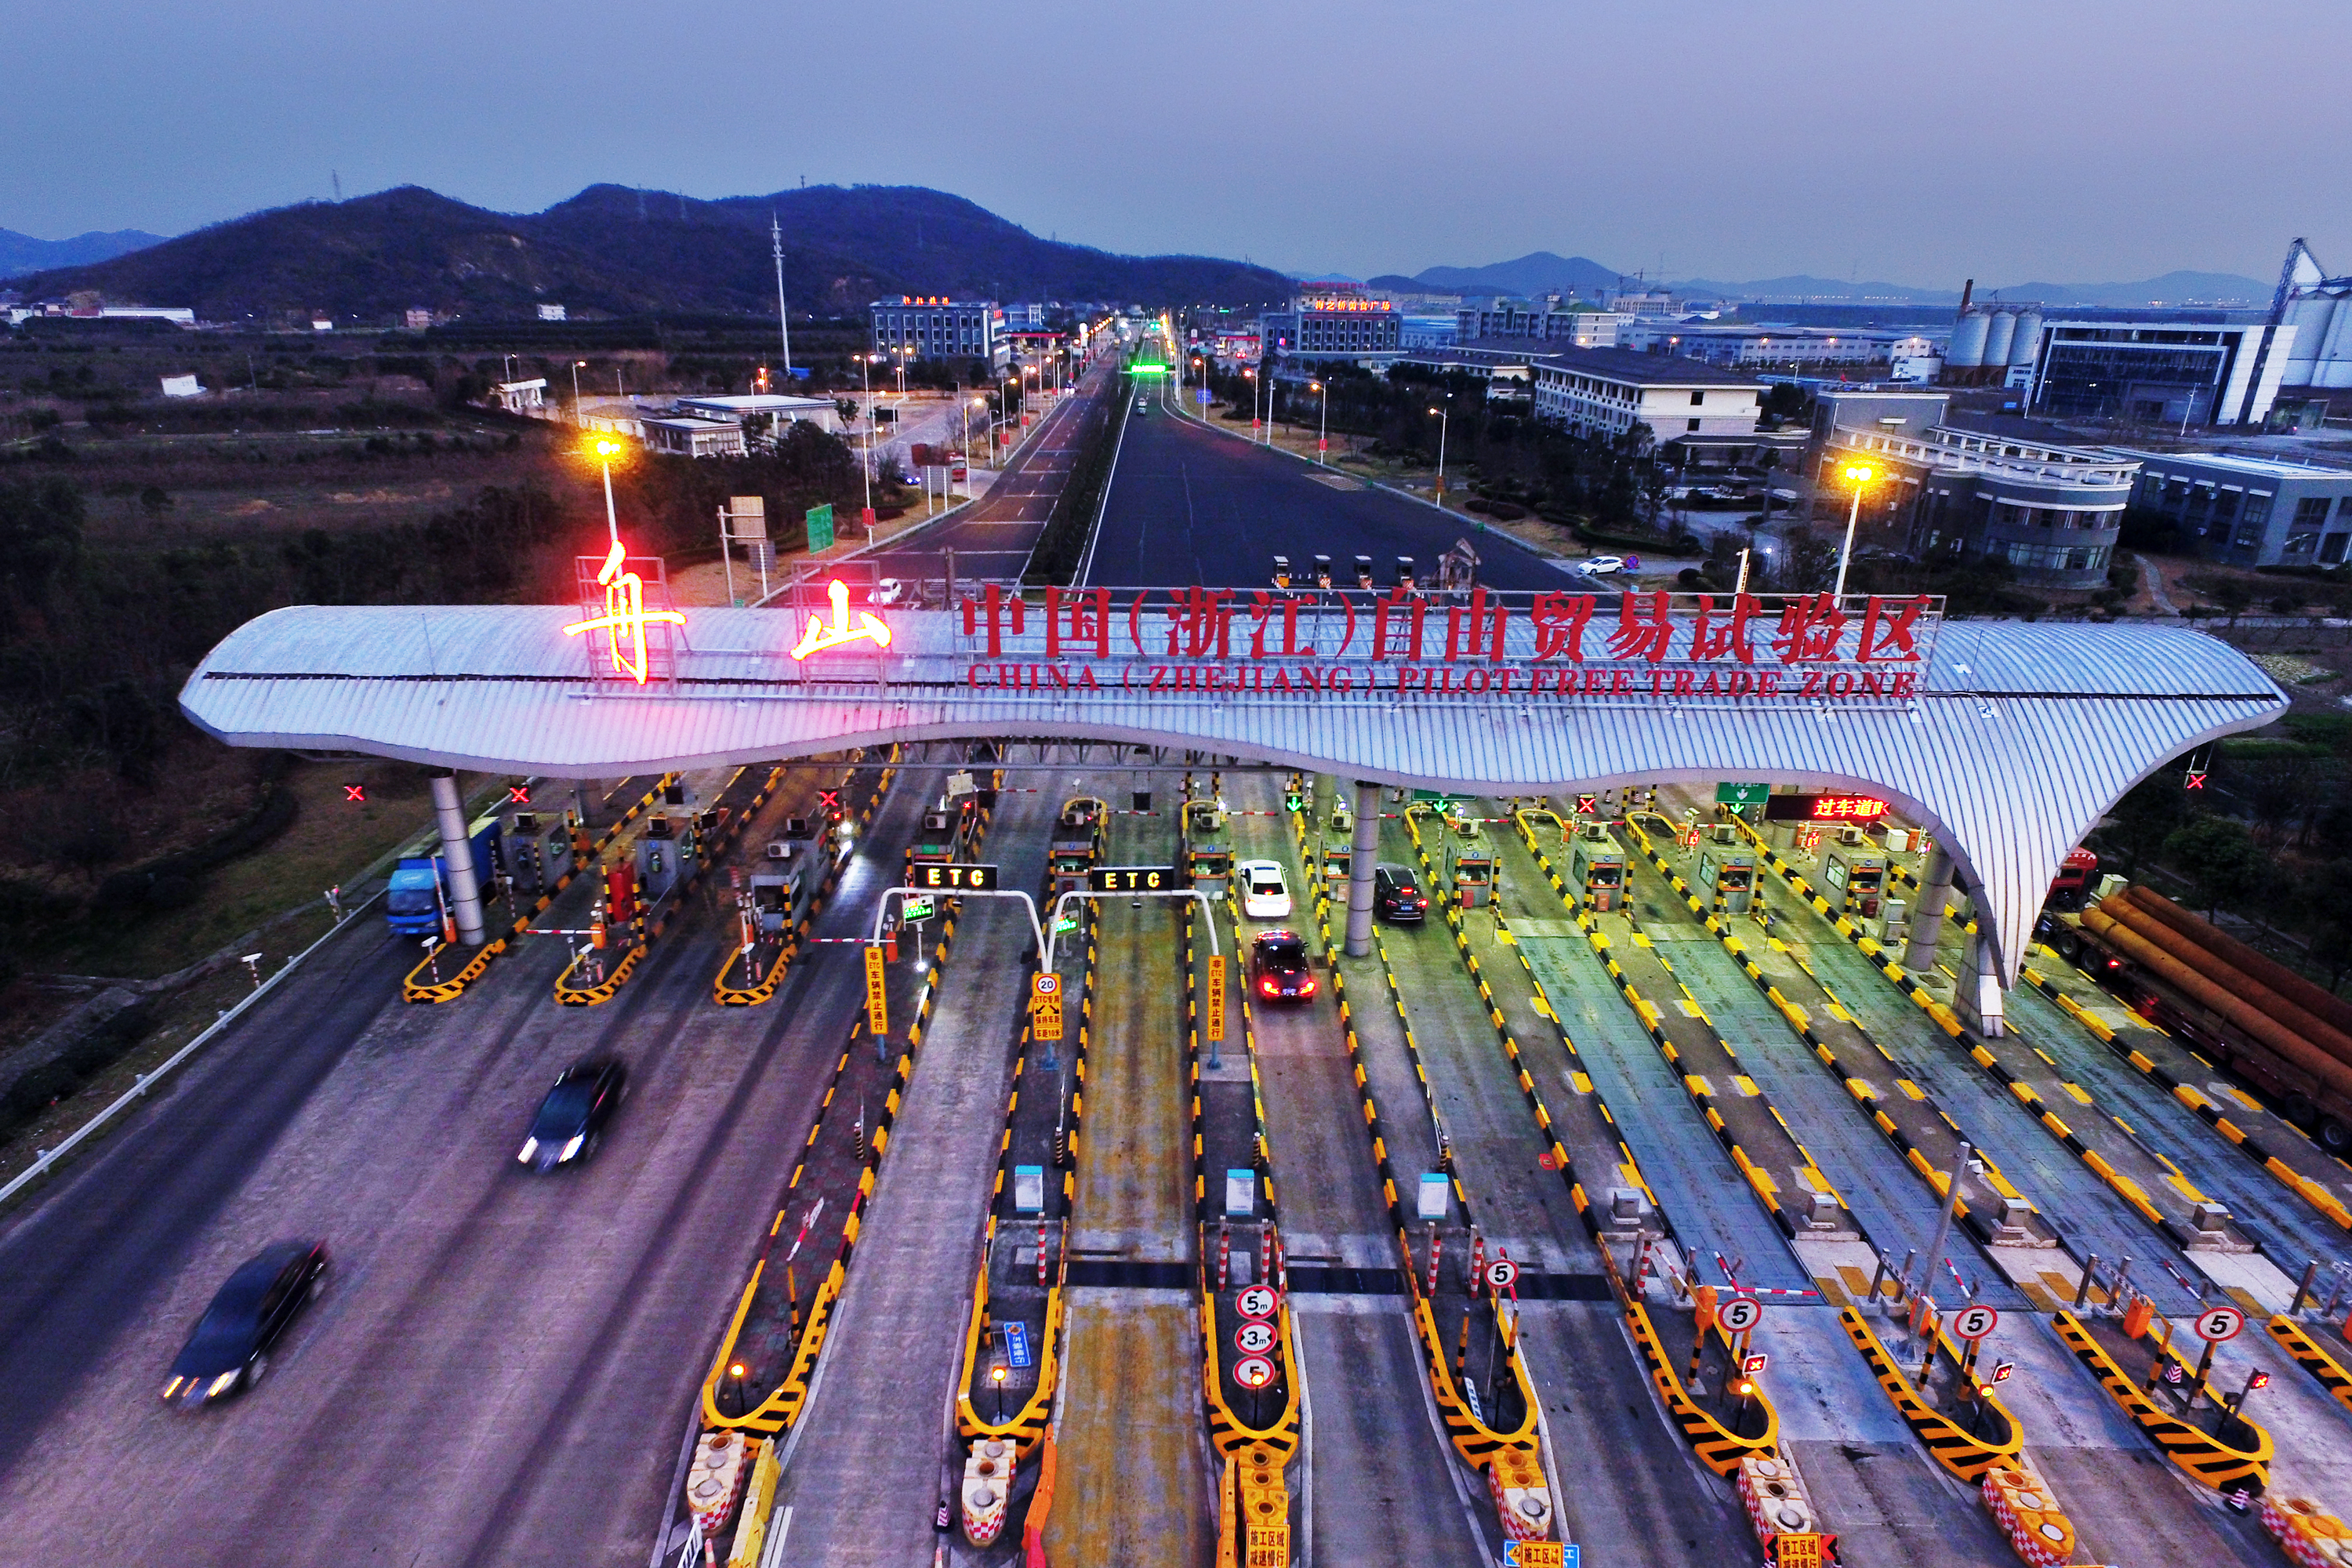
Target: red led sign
[1822, 808]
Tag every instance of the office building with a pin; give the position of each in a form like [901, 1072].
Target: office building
[2250, 511]
[1337, 324]
[1552, 318]
[1608, 391]
[1974, 488]
[936, 327]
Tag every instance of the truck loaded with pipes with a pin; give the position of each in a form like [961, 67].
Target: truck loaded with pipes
[2289, 1038]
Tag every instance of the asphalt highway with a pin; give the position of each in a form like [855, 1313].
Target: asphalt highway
[501, 1368]
[1188, 504]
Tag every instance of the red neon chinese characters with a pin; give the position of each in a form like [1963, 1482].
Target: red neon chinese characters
[1847, 808]
[1560, 620]
[1887, 630]
[820, 636]
[626, 615]
[1477, 631]
[1643, 630]
[1811, 629]
[1714, 635]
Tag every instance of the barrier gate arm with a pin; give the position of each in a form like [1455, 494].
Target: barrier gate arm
[883, 907]
[1045, 945]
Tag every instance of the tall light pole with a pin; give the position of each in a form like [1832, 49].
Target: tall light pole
[577, 423]
[1443, 424]
[1249, 374]
[865, 462]
[1323, 418]
[968, 407]
[605, 449]
[1861, 474]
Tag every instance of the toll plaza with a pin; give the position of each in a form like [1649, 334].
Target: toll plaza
[1853, 879]
[1469, 862]
[1430, 1006]
[1077, 842]
[1726, 878]
[1208, 857]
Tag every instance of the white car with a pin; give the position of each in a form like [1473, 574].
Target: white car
[1264, 895]
[889, 591]
[1601, 565]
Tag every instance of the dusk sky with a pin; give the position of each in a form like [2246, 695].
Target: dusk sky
[2067, 143]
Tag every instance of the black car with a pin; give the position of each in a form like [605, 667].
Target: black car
[229, 1349]
[1396, 896]
[1278, 966]
[571, 1119]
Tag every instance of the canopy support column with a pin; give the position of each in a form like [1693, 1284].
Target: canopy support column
[1364, 849]
[457, 855]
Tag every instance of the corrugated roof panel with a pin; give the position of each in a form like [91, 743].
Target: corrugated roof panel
[2023, 734]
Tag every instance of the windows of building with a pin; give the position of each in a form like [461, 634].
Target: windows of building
[2311, 511]
[1692, 424]
[2331, 549]
[2300, 543]
[1697, 398]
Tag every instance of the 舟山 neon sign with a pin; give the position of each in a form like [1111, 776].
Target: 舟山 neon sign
[626, 616]
[821, 636]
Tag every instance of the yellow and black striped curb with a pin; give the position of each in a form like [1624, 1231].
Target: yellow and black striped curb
[781, 1408]
[705, 854]
[2124, 1186]
[1031, 1423]
[1800, 1023]
[2205, 1457]
[765, 986]
[1961, 1452]
[1718, 1448]
[2312, 1357]
[2198, 1101]
[1228, 1434]
[414, 989]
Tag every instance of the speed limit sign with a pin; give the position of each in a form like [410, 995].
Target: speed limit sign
[1739, 1314]
[1973, 1323]
[1254, 1371]
[2215, 1324]
[1255, 1338]
[1254, 1301]
[1501, 1274]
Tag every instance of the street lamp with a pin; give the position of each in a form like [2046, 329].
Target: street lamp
[1323, 417]
[996, 1376]
[1443, 422]
[605, 450]
[1250, 375]
[968, 407]
[1860, 473]
[577, 423]
[866, 463]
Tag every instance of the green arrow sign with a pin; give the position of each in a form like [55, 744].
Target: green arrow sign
[820, 527]
[1741, 794]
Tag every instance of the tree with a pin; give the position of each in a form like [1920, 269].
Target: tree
[2152, 812]
[2220, 859]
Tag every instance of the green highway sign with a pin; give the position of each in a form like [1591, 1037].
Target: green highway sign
[1741, 794]
[1147, 370]
[820, 527]
[916, 909]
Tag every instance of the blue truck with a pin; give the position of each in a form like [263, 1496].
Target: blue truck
[419, 889]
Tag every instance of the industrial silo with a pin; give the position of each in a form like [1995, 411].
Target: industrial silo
[1999, 334]
[2026, 341]
[1968, 347]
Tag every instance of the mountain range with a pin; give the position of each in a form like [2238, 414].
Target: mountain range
[619, 251]
[1543, 273]
[21, 253]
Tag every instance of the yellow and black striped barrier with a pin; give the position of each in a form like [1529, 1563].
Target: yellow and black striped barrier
[2202, 1455]
[1718, 1448]
[1957, 1449]
[421, 984]
[2312, 1357]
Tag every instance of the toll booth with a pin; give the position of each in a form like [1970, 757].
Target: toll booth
[1339, 860]
[1469, 863]
[778, 900]
[1071, 856]
[1596, 868]
[1852, 880]
[539, 851]
[660, 858]
[1207, 855]
[1726, 878]
[945, 833]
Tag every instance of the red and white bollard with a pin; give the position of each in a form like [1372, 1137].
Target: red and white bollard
[1477, 1261]
[1041, 1255]
[1436, 1244]
[1224, 1254]
[1266, 1252]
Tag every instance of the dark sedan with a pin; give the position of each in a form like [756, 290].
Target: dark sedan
[229, 1349]
[1395, 896]
[1278, 966]
[571, 1119]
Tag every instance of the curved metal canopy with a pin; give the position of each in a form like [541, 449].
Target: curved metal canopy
[2019, 737]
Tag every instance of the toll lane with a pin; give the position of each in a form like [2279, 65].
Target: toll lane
[1381, 1482]
[863, 1474]
[1657, 1509]
[1133, 1474]
[539, 1337]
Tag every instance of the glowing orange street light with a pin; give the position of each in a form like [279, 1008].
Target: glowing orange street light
[1860, 474]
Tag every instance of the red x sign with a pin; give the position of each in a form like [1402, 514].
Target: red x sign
[355, 792]
[2196, 779]
[829, 799]
[1587, 806]
[519, 794]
